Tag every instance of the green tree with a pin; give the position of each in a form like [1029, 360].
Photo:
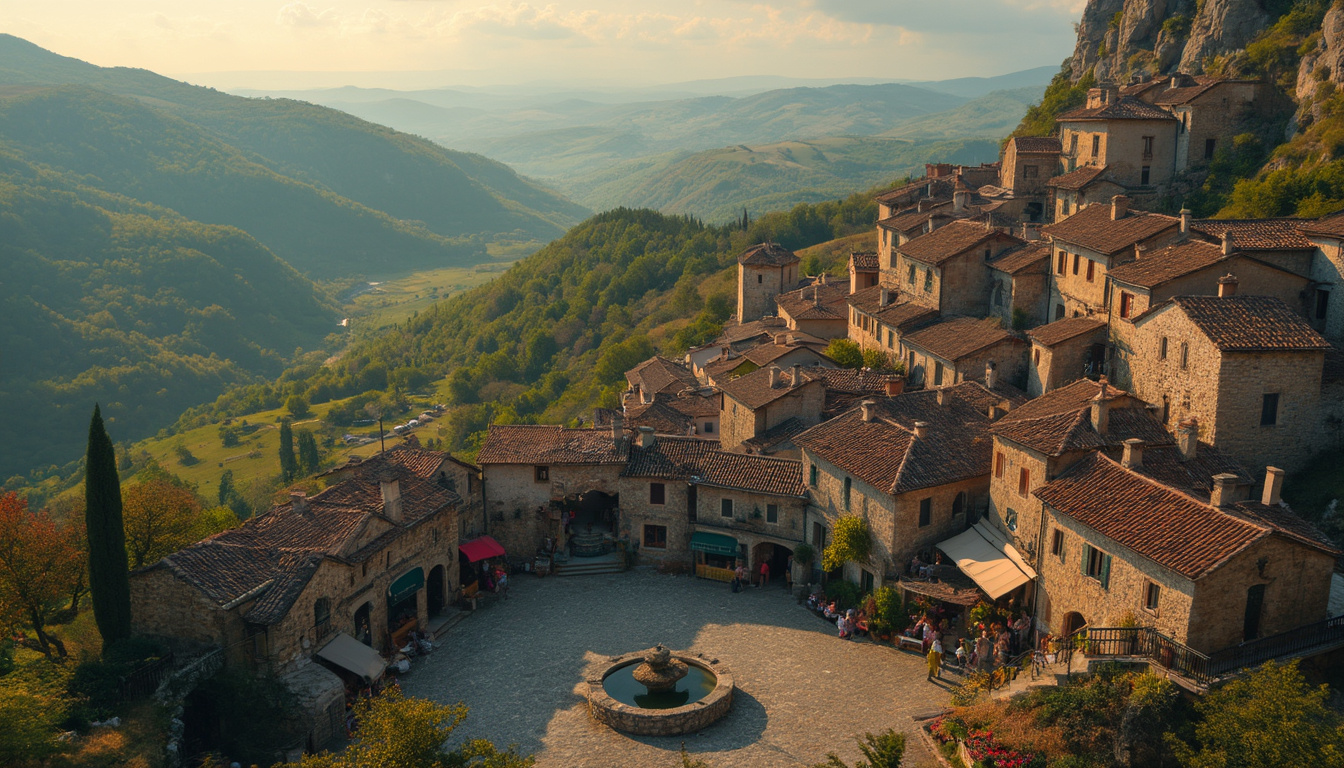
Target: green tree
[845, 352]
[226, 489]
[885, 750]
[1271, 717]
[289, 465]
[109, 583]
[309, 458]
[849, 541]
[878, 360]
[400, 732]
[297, 405]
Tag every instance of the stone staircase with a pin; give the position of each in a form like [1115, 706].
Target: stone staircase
[588, 566]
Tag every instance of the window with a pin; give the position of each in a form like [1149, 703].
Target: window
[1269, 409]
[542, 474]
[910, 366]
[1010, 519]
[1126, 304]
[1036, 356]
[987, 253]
[1151, 594]
[812, 476]
[1097, 565]
[1091, 270]
[891, 339]
[959, 504]
[848, 485]
[760, 279]
[925, 512]
[1096, 145]
[725, 507]
[818, 536]
[1023, 481]
[1147, 147]
[910, 278]
[1057, 543]
[1077, 261]
[999, 461]
[1145, 174]
[1185, 355]
[655, 536]
[1059, 311]
[937, 374]
[1209, 146]
[709, 427]
[1062, 263]
[1322, 303]
[322, 612]
[928, 280]
[772, 513]
[1073, 144]
[657, 493]
[866, 581]
[1162, 349]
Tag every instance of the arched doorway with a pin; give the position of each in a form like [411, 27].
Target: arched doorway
[1073, 621]
[434, 590]
[774, 555]
[363, 624]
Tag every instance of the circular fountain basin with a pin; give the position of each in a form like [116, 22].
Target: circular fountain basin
[703, 696]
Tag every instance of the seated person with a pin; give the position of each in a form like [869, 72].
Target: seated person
[831, 610]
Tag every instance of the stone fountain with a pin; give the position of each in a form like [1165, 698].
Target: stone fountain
[660, 672]
[659, 692]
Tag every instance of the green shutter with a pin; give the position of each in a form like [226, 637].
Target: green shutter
[1105, 571]
[1063, 548]
[1086, 556]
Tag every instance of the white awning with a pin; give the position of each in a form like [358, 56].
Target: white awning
[986, 556]
[348, 653]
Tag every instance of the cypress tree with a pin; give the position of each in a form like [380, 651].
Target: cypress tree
[289, 465]
[309, 457]
[226, 491]
[109, 584]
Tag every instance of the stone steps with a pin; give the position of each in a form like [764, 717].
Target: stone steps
[582, 566]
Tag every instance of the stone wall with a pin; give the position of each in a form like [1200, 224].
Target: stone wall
[1243, 379]
[637, 511]
[518, 507]
[739, 423]
[758, 286]
[1006, 504]
[909, 537]
[926, 288]
[1327, 269]
[877, 507]
[165, 606]
[1121, 145]
[1014, 176]
[1217, 115]
[1053, 367]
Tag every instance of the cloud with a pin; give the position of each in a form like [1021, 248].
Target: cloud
[522, 21]
[300, 16]
[959, 17]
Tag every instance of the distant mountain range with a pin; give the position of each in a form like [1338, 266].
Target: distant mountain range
[641, 147]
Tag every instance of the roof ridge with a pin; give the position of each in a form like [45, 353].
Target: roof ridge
[1177, 491]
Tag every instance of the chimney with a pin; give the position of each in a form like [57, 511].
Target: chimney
[928, 189]
[797, 374]
[1227, 286]
[1101, 409]
[1229, 242]
[617, 430]
[928, 225]
[1102, 95]
[959, 199]
[391, 488]
[1119, 207]
[646, 438]
[991, 378]
[997, 411]
[1185, 221]
[1133, 457]
[644, 396]
[884, 297]
[1224, 489]
[1187, 439]
[921, 429]
[989, 222]
[774, 376]
[942, 395]
[298, 501]
[895, 385]
[1175, 82]
[867, 407]
[1272, 496]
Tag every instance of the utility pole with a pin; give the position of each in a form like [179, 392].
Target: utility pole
[382, 443]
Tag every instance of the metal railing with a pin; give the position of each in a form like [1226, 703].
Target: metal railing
[1311, 637]
[146, 679]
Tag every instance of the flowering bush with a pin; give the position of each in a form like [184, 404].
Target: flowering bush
[987, 752]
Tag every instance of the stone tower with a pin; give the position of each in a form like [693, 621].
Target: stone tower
[763, 272]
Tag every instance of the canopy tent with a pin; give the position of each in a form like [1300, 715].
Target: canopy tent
[714, 543]
[348, 653]
[986, 556]
[406, 583]
[482, 548]
[942, 591]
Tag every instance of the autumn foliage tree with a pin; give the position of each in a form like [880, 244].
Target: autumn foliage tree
[160, 518]
[40, 565]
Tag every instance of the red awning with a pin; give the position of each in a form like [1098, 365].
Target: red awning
[482, 548]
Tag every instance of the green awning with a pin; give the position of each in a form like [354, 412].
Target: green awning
[714, 543]
[405, 584]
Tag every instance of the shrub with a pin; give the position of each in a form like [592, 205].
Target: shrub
[851, 541]
[885, 750]
[845, 594]
[804, 554]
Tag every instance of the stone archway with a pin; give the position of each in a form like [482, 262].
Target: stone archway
[1073, 621]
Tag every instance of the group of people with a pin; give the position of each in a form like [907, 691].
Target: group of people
[743, 578]
[852, 622]
[996, 645]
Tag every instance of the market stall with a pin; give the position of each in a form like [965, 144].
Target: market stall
[715, 555]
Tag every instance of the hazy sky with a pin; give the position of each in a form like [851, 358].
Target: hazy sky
[492, 41]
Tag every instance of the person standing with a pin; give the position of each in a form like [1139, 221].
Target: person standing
[788, 575]
[765, 573]
[984, 651]
[936, 659]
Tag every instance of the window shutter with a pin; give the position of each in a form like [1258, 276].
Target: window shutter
[1063, 549]
[1086, 556]
[1105, 571]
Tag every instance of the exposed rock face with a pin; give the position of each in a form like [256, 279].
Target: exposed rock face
[1324, 64]
[1222, 26]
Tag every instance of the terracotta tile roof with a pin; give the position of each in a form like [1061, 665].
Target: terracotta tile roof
[1022, 258]
[1244, 323]
[819, 301]
[901, 312]
[949, 241]
[754, 391]
[863, 381]
[741, 331]
[886, 454]
[1165, 526]
[916, 190]
[658, 374]
[1123, 108]
[1061, 421]
[274, 554]
[767, 255]
[421, 462]
[698, 402]
[913, 221]
[1094, 229]
[660, 415]
[1037, 144]
[1164, 464]
[1284, 521]
[549, 444]
[766, 354]
[1257, 234]
[775, 436]
[1154, 268]
[702, 463]
[1327, 226]
[1079, 178]
[953, 338]
[864, 261]
[1051, 334]
[1195, 87]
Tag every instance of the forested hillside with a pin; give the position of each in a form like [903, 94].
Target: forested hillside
[106, 299]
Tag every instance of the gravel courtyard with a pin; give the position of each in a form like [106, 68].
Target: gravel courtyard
[802, 691]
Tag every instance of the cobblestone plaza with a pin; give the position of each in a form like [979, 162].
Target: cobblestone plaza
[802, 692]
